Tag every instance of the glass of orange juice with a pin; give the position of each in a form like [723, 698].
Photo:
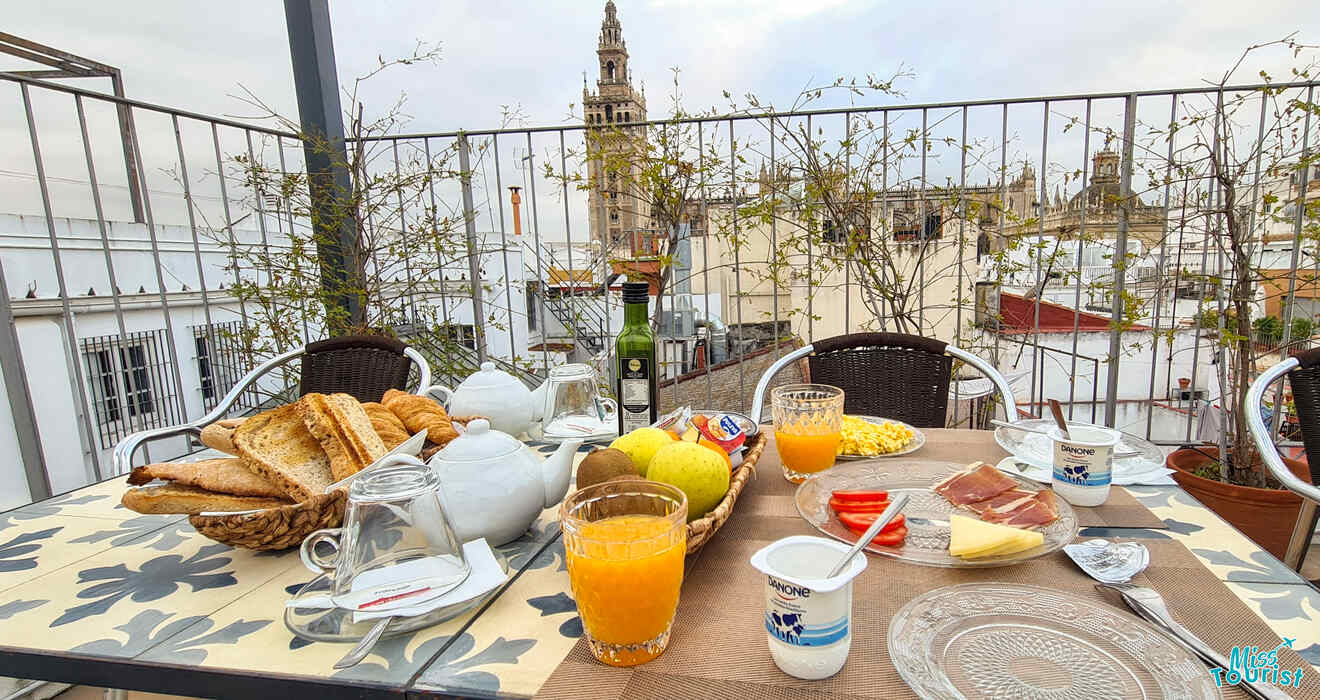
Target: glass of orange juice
[808, 427]
[624, 542]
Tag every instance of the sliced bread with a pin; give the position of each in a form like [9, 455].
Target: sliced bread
[190, 500]
[344, 430]
[277, 445]
[226, 475]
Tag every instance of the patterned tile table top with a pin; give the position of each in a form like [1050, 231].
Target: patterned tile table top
[83, 576]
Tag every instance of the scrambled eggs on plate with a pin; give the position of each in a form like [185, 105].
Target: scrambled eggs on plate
[869, 439]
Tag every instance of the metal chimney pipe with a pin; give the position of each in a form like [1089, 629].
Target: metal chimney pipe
[517, 213]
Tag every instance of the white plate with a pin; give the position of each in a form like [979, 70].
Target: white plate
[917, 442]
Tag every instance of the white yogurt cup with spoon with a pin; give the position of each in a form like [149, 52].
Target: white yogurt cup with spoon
[808, 619]
[1083, 463]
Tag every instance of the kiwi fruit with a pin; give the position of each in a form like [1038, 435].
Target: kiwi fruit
[603, 464]
[629, 477]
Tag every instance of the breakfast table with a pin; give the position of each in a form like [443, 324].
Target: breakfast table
[94, 594]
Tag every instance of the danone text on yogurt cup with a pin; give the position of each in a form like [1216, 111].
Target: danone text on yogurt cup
[1083, 462]
[808, 618]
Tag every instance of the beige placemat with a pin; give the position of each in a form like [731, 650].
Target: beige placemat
[718, 648]
[954, 447]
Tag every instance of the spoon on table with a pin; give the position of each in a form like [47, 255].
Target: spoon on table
[365, 646]
[894, 507]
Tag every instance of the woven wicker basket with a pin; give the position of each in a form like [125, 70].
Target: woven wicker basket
[274, 528]
[284, 527]
[700, 531]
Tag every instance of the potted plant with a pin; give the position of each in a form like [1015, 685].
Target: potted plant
[1216, 177]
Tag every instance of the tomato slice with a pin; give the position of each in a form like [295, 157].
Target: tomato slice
[858, 522]
[859, 495]
[891, 539]
[858, 506]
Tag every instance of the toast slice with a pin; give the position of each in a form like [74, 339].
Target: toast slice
[277, 445]
[190, 500]
[218, 475]
[344, 430]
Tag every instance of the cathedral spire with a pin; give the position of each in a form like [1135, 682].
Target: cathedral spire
[612, 49]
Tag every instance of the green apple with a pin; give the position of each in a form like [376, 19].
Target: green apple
[696, 471]
[641, 445]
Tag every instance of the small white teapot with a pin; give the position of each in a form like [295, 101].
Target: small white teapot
[493, 393]
[493, 486]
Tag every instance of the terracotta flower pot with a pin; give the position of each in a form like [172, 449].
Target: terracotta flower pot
[1264, 515]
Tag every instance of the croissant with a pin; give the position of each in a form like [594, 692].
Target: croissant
[420, 413]
[387, 425]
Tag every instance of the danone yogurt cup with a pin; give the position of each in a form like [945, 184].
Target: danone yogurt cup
[1083, 462]
[808, 618]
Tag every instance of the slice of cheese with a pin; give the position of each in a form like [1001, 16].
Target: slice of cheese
[1031, 541]
[969, 537]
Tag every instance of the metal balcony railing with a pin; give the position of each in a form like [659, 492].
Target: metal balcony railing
[443, 245]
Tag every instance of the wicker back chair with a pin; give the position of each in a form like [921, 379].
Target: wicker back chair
[1303, 373]
[363, 366]
[893, 375]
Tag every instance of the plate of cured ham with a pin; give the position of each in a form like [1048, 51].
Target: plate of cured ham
[976, 490]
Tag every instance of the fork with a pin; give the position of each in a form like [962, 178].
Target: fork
[1150, 605]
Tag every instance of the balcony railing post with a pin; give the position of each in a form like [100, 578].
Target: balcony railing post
[20, 400]
[474, 252]
[316, 83]
[1120, 258]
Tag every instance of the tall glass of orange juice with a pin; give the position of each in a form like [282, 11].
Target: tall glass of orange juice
[624, 542]
[808, 427]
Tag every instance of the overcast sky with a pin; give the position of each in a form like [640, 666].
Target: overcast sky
[531, 56]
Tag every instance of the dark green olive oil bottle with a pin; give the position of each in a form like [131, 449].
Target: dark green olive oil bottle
[634, 363]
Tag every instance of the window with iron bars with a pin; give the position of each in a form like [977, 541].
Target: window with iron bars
[131, 384]
[221, 363]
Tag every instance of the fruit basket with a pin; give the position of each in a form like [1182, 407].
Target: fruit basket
[700, 531]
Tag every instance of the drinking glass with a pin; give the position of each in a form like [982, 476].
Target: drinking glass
[808, 427]
[624, 543]
[393, 517]
[574, 407]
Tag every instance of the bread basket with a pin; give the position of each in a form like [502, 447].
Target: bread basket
[700, 531]
[280, 528]
[274, 528]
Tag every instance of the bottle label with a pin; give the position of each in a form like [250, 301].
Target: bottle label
[634, 393]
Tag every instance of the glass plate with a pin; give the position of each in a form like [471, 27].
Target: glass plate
[917, 442]
[336, 624]
[927, 513]
[1039, 449]
[1003, 640]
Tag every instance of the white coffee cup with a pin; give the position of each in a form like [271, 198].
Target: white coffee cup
[1083, 463]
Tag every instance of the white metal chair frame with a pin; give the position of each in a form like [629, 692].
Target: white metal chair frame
[126, 448]
[1269, 454]
[1006, 392]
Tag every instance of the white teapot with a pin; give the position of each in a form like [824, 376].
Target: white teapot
[493, 486]
[493, 393]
